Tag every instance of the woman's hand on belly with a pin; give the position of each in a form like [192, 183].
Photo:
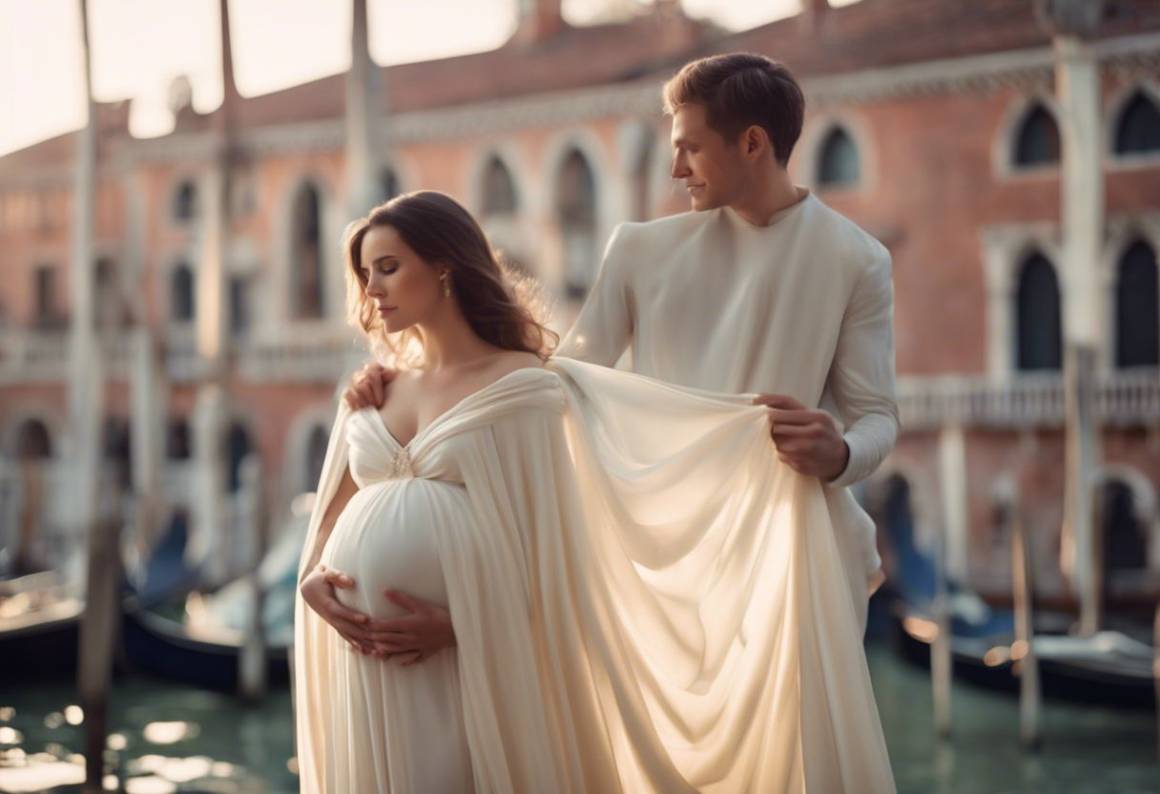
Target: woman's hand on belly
[317, 591]
[411, 639]
[405, 640]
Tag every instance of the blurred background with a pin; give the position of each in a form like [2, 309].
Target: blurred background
[175, 177]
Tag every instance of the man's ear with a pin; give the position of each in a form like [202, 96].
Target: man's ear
[755, 140]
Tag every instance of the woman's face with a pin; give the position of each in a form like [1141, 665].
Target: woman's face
[405, 288]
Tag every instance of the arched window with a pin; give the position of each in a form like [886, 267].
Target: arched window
[1137, 316]
[238, 448]
[1138, 128]
[185, 201]
[315, 455]
[182, 293]
[306, 255]
[389, 185]
[33, 441]
[838, 161]
[1039, 343]
[576, 214]
[499, 189]
[117, 445]
[109, 306]
[45, 313]
[177, 444]
[239, 304]
[1037, 139]
[1125, 544]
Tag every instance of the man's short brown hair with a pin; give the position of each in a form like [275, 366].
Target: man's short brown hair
[738, 90]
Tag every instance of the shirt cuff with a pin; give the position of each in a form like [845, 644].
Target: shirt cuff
[856, 463]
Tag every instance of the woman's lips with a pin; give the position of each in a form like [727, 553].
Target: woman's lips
[385, 310]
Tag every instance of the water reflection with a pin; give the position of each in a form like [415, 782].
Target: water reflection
[169, 732]
[211, 742]
[168, 738]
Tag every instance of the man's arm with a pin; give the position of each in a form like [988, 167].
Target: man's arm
[861, 376]
[603, 329]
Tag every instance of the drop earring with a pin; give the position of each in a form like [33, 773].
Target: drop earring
[446, 286]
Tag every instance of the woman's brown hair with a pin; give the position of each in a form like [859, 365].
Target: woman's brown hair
[501, 306]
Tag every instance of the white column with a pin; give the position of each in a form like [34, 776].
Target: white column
[362, 160]
[148, 426]
[208, 541]
[952, 450]
[1078, 86]
[86, 373]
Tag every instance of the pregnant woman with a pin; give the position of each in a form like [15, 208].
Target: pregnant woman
[644, 598]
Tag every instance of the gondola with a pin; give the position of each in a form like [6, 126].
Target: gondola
[198, 638]
[40, 616]
[1109, 668]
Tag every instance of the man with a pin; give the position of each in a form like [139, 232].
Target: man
[760, 289]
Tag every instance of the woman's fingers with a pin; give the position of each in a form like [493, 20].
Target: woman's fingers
[405, 625]
[360, 392]
[371, 390]
[354, 630]
[394, 636]
[339, 579]
[399, 644]
[335, 609]
[356, 644]
[320, 598]
[401, 599]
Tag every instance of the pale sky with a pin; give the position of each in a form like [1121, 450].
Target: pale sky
[139, 46]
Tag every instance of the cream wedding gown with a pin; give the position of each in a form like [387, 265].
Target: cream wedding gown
[644, 599]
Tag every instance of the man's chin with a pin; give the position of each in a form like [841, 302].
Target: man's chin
[703, 203]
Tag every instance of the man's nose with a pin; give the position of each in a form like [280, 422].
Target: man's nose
[679, 170]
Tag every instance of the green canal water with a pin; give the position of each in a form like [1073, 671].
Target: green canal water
[170, 738]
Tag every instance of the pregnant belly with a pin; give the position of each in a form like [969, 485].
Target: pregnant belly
[384, 538]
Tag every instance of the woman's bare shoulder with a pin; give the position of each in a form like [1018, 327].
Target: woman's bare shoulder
[511, 360]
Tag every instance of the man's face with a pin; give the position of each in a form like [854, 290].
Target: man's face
[712, 168]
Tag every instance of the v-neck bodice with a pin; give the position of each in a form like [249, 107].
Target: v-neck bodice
[377, 455]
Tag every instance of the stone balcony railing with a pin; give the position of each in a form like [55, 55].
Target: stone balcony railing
[40, 357]
[322, 355]
[322, 359]
[1127, 397]
[32, 356]
[35, 356]
[325, 354]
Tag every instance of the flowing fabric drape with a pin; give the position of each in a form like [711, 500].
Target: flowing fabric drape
[648, 600]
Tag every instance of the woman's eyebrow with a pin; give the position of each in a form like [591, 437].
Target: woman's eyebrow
[382, 258]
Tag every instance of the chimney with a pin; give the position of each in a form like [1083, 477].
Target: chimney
[539, 20]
